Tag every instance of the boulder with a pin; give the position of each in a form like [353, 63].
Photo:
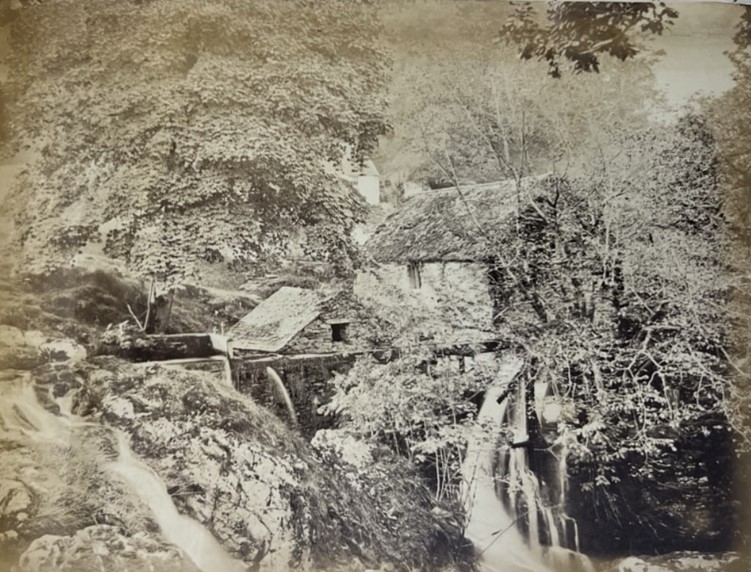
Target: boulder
[62, 350]
[15, 353]
[257, 486]
[634, 564]
[34, 338]
[27, 349]
[682, 562]
[118, 409]
[103, 547]
[240, 489]
[11, 336]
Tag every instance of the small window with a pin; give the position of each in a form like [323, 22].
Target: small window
[339, 332]
[413, 271]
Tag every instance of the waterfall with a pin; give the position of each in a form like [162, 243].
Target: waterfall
[276, 382]
[22, 413]
[491, 528]
[511, 522]
[189, 535]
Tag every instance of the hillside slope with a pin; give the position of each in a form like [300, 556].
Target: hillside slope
[77, 431]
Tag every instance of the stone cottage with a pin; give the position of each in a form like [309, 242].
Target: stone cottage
[304, 338]
[299, 321]
[435, 258]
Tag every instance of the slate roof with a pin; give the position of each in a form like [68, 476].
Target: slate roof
[276, 321]
[444, 225]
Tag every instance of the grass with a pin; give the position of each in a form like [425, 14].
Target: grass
[80, 304]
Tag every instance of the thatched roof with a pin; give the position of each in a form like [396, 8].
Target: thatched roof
[445, 225]
[275, 321]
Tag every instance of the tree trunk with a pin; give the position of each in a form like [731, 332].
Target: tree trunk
[161, 311]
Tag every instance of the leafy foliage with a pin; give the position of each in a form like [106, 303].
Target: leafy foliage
[423, 410]
[581, 32]
[493, 118]
[615, 280]
[178, 132]
[617, 286]
[729, 117]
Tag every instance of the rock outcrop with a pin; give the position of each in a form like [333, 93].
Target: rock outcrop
[104, 548]
[264, 493]
[268, 497]
[682, 562]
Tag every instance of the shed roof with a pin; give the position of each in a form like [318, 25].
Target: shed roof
[445, 225]
[275, 321]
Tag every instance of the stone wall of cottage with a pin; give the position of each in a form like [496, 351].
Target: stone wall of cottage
[452, 301]
[317, 338]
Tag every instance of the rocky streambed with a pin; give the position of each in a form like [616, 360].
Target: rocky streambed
[72, 499]
[108, 465]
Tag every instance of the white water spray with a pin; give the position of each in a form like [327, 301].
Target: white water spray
[193, 538]
[491, 529]
[22, 414]
[507, 536]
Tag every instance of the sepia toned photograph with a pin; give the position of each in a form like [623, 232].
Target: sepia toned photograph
[375, 286]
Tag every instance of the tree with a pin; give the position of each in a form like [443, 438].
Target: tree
[177, 132]
[581, 32]
[490, 117]
[614, 279]
[730, 116]
[619, 295]
[418, 405]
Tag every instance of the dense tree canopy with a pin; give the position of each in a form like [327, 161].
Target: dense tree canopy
[730, 117]
[176, 132]
[485, 121]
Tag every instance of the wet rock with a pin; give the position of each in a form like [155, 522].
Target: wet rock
[240, 487]
[34, 338]
[62, 350]
[682, 562]
[118, 408]
[103, 547]
[11, 336]
[15, 503]
[240, 490]
[634, 564]
[27, 349]
[256, 485]
[19, 357]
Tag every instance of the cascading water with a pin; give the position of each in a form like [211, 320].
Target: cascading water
[23, 414]
[512, 526]
[490, 528]
[193, 538]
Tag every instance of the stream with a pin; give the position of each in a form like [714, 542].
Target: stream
[503, 500]
[21, 412]
[192, 537]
